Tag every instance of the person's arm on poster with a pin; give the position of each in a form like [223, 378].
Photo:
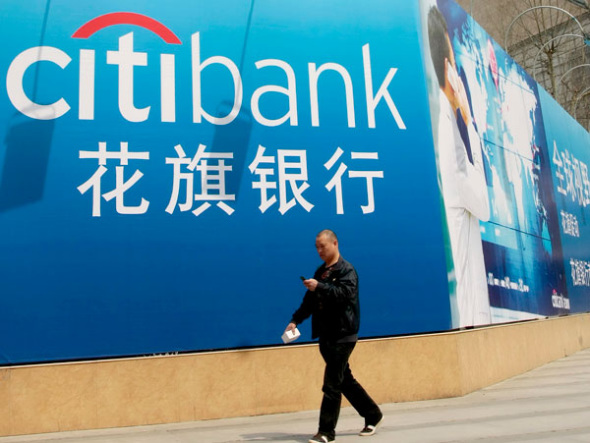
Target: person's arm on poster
[470, 176]
[473, 187]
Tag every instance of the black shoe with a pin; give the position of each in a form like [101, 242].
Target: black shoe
[321, 438]
[370, 429]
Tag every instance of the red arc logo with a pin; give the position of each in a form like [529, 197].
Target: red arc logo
[127, 18]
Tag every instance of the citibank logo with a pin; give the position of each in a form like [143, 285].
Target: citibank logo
[127, 18]
[127, 59]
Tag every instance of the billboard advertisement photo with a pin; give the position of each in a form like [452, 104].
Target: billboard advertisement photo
[165, 168]
[165, 171]
[502, 181]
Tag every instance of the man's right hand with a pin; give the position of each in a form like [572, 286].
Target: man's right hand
[290, 327]
[311, 284]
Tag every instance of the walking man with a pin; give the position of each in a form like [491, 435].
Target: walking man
[332, 302]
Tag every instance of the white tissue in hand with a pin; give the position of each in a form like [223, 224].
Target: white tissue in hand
[291, 335]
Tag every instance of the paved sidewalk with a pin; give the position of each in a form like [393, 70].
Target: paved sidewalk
[548, 404]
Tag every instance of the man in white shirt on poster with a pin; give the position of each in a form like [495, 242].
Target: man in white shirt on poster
[459, 150]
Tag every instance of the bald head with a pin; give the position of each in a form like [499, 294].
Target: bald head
[328, 233]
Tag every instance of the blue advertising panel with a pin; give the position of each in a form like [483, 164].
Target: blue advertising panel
[165, 168]
[569, 160]
[506, 215]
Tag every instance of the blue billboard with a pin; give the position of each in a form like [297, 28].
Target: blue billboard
[164, 169]
[568, 159]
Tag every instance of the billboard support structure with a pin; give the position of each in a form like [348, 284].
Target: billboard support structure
[509, 29]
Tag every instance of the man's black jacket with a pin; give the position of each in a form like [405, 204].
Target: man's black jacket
[334, 305]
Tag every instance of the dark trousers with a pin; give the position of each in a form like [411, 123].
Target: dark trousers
[338, 380]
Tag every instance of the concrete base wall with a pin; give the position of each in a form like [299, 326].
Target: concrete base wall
[128, 392]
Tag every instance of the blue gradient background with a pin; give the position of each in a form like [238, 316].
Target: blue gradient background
[77, 287]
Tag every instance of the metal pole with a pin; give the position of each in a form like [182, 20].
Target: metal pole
[543, 47]
[583, 65]
[578, 98]
[532, 9]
